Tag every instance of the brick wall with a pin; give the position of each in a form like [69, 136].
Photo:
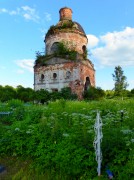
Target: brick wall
[73, 38]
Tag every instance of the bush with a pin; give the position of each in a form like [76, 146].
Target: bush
[94, 93]
[67, 94]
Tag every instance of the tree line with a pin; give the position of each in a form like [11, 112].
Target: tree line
[29, 95]
[93, 93]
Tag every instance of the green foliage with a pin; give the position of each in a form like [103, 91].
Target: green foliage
[59, 138]
[65, 51]
[25, 94]
[15, 103]
[109, 94]
[62, 26]
[62, 51]
[94, 93]
[42, 96]
[42, 59]
[120, 81]
[67, 94]
[85, 54]
[7, 93]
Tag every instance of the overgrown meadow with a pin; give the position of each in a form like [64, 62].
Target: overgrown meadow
[55, 141]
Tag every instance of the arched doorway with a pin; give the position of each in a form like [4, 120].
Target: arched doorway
[87, 84]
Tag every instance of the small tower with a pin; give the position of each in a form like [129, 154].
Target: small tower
[65, 62]
[65, 14]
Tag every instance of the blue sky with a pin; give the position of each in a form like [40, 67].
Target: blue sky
[109, 25]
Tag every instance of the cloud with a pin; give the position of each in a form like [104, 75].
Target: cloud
[29, 13]
[48, 17]
[12, 12]
[26, 64]
[26, 12]
[3, 10]
[92, 41]
[115, 48]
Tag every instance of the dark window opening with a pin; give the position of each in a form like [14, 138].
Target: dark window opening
[84, 49]
[54, 90]
[84, 52]
[42, 76]
[55, 47]
[54, 75]
[87, 84]
[68, 74]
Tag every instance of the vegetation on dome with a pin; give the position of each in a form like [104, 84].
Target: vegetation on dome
[62, 51]
[62, 25]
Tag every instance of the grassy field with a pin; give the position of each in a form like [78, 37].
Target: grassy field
[55, 141]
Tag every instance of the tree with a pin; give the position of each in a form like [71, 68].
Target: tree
[8, 93]
[25, 94]
[120, 81]
[42, 96]
[94, 93]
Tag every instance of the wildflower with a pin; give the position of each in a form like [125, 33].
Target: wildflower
[29, 131]
[126, 131]
[17, 129]
[65, 134]
[132, 140]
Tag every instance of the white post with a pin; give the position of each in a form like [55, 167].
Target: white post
[97, 141]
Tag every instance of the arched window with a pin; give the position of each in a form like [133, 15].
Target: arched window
[54, 47]
[68, 74]
[54, 75]
[87, 84]
[84, 49]
[84, 52]
[42, 76]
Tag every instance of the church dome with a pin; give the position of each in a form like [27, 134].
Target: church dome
[66, 24]
[68, 31]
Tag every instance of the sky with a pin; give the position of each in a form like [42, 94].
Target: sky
[108, 24]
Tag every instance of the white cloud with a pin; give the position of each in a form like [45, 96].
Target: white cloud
[3, 10]
[26, 64]
[30, 13]
[92, 41]
[25, 11]
[12, 12]
[48, 17]
[115, 48]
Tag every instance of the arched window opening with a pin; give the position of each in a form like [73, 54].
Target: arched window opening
[54, 47]
[84, 49]
[68, 74]
[87, 84]
[84, 52]
[42, 76]
[54, 75]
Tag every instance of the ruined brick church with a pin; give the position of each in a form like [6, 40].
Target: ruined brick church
[65, 62]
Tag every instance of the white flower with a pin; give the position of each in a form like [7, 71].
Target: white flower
[126, 131]
[29, 131]
[17, 129]
[65, 134]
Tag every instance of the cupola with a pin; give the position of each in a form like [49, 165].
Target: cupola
[65, 14]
